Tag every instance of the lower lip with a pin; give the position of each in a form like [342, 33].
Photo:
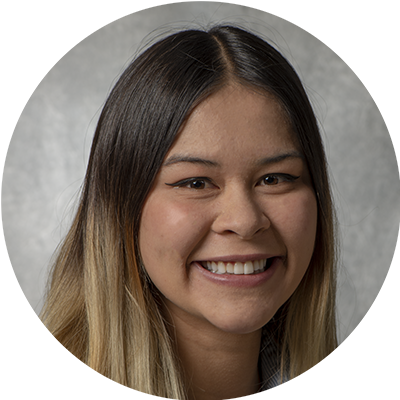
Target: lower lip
[250, 280]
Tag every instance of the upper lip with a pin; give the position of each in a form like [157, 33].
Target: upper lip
[239, 258]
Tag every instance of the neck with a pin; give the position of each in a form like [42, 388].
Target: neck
[217, 365]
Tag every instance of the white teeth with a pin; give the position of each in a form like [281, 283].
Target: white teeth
[221, 268]
[248, 267]
[214, 267]
[229, 268]
[237, 268]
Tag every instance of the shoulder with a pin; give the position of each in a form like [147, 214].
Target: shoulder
[368, 390]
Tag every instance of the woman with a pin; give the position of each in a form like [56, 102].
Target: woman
[201, 261]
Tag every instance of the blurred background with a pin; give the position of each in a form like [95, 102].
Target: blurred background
[48, 152]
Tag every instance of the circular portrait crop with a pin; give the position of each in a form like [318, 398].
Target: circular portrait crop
[229, 192]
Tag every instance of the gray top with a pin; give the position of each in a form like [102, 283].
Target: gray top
[270, 373]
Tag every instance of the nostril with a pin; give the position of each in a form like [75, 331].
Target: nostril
[242, 231]
[240, 212]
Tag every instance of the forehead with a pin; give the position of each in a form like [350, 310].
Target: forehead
[235, 119]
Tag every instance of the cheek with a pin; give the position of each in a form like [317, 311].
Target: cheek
[304, 218]
[297, 224]
[168, 231]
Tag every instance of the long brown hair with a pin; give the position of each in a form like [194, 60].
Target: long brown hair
[101, 305]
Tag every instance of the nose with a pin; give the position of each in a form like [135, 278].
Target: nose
[240, 213]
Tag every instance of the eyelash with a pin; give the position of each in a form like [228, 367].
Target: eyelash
[284, 177]
[204, 180]
[188, 181]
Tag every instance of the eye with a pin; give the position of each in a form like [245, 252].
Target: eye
[275, 179]
[193, 183]
[271, 180]
[197, 184]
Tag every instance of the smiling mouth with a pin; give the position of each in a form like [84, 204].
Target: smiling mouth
[238, 268]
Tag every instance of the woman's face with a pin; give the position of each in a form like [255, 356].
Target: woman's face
[232, 196]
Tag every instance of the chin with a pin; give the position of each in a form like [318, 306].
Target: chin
[241, 324]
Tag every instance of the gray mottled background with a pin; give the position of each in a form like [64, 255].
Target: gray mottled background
[49, 149]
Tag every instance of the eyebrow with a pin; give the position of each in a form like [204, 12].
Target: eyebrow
[178, 158]
[280, 157]
[187, 159]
